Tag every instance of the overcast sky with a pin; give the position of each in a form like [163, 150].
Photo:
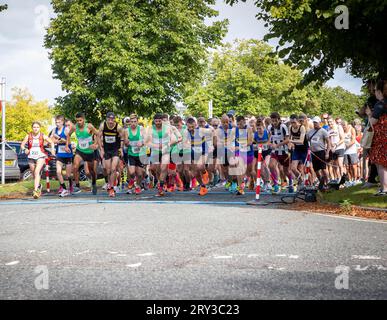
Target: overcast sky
[24, 62]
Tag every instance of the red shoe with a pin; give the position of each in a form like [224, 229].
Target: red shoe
[111, 192]
[137, 190]
[161, 192]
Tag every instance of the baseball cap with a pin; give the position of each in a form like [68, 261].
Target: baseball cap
[110, 115]
[231, 113]
[316, 119]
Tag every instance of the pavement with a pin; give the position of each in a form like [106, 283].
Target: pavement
[183, 246]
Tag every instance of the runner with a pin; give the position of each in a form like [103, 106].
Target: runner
[136, 154]
[223, 153]
[63, 158]
[279, 139]
[36, 154]
[84, 151]
[196, 137]
[320, 146]
[242, 136]
[110, 135]
[262, 137]
[299, 146]
[182, 153]
[159, 138]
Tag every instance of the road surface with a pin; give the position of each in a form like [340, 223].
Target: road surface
[185, 247]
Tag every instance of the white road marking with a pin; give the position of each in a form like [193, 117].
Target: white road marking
[44, 251]
[147, 254]
[293, 256]
[12, 263]
[113, 252]
[366, 257]
[281, 255]
[83, 252]
[253, 255]
[345, 217]
[136, 265]
[31, 251]
[365, 268]
[121, 255]
[222, 257]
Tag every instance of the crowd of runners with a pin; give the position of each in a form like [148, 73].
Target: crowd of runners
[176, 154]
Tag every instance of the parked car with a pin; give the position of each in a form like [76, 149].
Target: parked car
[12, 171]
[25, 169]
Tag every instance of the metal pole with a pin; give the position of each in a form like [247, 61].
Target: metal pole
[3, 98]
[210, 109]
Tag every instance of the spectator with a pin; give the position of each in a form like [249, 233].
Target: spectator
[378, 119]
[351, 159]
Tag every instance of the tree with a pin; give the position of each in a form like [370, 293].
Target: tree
[129, 55]
[3, 7]
[313, 37]
[22, 111]
[246, 77]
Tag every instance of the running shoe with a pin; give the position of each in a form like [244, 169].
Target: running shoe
[233, 188]
[111, 193]
[291, 189]
[94, 189]
[269, 188]
[129, 191]
[105, 186]
[205, 177]
[227, 185]
[160, 192]
[71, 189]
[36, 194]
[240, 191]
[137, 190]
[77, 190]
[276, 189]
[131, 184]
[284, 184]
[116, 189]
[380, 193]
[60, 190]
[65, 193]
[203, 191]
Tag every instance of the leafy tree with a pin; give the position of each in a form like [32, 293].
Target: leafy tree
[22, 110]
[3, 7]
[246, 77]
[309, 39]
[129, 55]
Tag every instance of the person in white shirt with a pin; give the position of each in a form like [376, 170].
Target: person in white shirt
[351, 159]
[336, 136]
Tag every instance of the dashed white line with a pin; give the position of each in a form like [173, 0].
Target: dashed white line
[136, 265]
[222, 257]
[366, 257]
[12, 263]
[147, 254]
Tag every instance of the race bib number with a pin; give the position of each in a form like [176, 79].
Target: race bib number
[84, 143]
[243, 148]
[109, 139]
[62, 149]
[197, 149]
[136, 149]
[34, 153]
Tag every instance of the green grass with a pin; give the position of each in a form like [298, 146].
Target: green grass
[26, 187]
[356, 196]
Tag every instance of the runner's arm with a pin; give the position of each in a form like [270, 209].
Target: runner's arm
[23, 145]
[51, 142]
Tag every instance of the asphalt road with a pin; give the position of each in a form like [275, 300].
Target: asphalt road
[185, 247]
